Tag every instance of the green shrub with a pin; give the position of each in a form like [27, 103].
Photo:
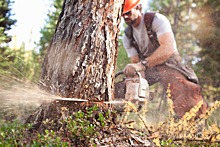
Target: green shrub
[84, 125]
[50, 138]
[12, 133]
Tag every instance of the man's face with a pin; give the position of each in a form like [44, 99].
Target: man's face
[131, 16]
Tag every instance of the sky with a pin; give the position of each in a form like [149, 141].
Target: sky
[31, 16]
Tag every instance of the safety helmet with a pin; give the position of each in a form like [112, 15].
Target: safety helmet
[130, 4]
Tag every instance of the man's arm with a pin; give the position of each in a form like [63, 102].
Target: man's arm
[164, 52]
[135, 59]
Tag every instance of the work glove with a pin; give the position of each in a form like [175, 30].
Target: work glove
[131, 70]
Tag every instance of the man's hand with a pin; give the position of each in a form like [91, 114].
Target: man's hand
[132, 69]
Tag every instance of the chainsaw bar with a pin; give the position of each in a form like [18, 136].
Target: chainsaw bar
[70, 99]
[82, 100]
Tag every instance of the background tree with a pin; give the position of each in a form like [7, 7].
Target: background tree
[15, 62]
[5, 22]
[48, 29]
[208, 35]
[6, 55]
[180, 16]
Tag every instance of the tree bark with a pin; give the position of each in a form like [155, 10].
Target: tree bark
[81, 59]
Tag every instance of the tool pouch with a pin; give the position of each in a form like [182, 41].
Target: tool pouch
[175, 63]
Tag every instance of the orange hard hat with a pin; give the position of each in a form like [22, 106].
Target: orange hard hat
[130, 4]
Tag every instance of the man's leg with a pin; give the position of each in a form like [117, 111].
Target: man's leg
[184, 93]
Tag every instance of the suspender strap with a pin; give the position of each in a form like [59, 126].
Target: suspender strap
[148, 20]
[129, 34]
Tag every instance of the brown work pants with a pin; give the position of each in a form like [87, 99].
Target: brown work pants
[185, 94]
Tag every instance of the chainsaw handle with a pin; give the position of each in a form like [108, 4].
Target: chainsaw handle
[139, 74]
[119, 73]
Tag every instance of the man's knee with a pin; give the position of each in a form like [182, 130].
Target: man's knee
[185, 96]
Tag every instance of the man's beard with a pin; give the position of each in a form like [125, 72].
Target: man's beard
[130, 22]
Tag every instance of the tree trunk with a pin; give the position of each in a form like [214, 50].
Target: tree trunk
[176, 18]
[81, 59]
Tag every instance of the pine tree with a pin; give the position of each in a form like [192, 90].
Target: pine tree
[6, 55]
[208, 35]
[48, 30]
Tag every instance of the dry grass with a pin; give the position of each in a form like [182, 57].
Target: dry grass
[188, 129]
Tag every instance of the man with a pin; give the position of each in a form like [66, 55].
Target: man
[158, 57]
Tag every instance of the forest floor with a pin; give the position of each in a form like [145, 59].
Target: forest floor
[151, 125]
[148, 126]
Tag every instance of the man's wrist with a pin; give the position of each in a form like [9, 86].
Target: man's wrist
[144, 63]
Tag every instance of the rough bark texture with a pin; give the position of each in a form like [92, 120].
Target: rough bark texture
[82, 56]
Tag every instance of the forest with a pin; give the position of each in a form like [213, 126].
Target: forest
[31, 80]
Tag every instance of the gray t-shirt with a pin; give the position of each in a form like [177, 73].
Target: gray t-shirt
[160, 25]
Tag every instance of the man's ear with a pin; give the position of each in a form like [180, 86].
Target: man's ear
[139, 7]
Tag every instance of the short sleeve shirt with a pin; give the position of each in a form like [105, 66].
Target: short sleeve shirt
[160, 25]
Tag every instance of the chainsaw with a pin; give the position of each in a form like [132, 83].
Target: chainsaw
[132, 89]
[135, 90]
